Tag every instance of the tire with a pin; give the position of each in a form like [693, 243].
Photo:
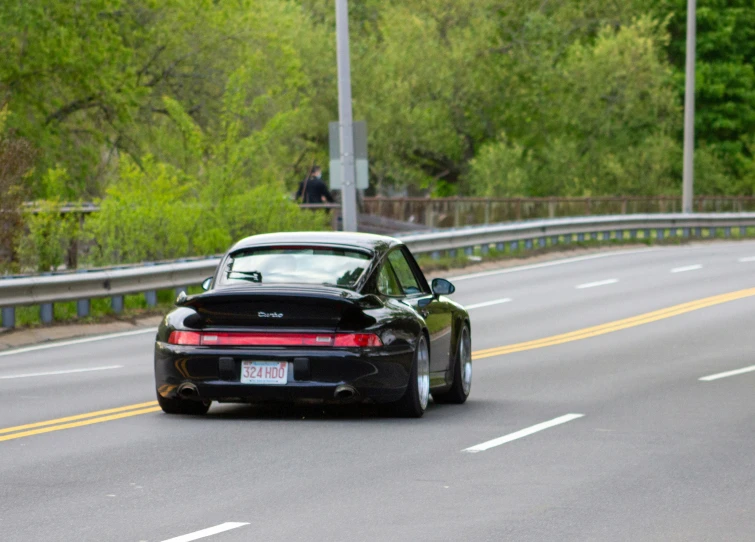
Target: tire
[414, 402]
[183, 406]
[462, 383]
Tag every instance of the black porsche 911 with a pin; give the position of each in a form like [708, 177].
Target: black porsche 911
[335, 317]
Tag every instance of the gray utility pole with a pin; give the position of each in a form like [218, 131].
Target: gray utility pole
[348, 175]
[689, 109]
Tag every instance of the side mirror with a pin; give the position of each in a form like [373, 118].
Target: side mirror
[442, 287]
[206, 283]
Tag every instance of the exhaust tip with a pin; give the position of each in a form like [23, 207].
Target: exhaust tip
[188, 391]
[345, 392]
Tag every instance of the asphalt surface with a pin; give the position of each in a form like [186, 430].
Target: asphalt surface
[657, 454]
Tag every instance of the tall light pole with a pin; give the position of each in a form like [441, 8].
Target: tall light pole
[345, 120]
[689, 109]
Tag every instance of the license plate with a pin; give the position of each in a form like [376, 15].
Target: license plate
[264, 372]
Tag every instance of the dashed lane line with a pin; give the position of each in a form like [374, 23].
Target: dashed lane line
[596, 284]
[204, 533]
[522, 433]
[686, 268]
[61, 372]
[487, 303]
[727, 374]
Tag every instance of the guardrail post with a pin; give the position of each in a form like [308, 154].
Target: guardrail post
[685, 232]
[567, 238]
[500, 247]
[554, 240]
[469, 251]
[698, 232]
[82, 308]
[116, 303]
[485, 249]
[528, 244]
[659, 234]
[619, 235]
[646, 235]
[541, 242]
[727, 232]
[46, 313]
[580, 237]
[742, 231]
[606, 236]
[594, 236]
[633, 234]
[9, 317]
[514, 246]
[452, 253]
[151, 298]
[435, 255]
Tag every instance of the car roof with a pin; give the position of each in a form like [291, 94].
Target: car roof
[375, 243]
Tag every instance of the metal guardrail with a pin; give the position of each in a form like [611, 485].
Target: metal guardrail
[565, 230]
[82, 286]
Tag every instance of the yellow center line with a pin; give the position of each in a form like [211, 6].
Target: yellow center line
[77, 417]
[617, 325]
[80, 423]
[100, 416]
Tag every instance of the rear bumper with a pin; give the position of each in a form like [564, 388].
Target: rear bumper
[377, 374]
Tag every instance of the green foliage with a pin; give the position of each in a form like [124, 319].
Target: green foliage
[725, 84]
[192, 119]
[159, 212]
[49, 237]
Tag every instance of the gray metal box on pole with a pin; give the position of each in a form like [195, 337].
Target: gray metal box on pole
[349, 191]
[362, 165]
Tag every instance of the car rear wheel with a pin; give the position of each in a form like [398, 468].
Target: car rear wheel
[183, 406]
[414, 402]
[462, 383]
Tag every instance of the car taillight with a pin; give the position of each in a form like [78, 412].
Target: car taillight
[266, 339]
[343, 340]
[357, 340]
[191, 338]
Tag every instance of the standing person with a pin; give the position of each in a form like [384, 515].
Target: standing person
[313, 189]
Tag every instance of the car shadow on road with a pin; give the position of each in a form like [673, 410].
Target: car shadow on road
[331, 412]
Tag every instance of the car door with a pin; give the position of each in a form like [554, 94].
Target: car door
[435, 310]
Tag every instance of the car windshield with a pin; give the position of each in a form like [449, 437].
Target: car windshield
[296, 265]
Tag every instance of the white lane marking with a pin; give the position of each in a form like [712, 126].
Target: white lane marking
[748, 259]
[77, 341]
[551, 264]
[204, 533]
[686, 268]
[596, 284]
[710, 378]
[488, 303]
[523, 433]
[62, 372]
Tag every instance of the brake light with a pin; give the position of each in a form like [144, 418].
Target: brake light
[191, 338]
[357, 340]
[266, 339]
[342, 340]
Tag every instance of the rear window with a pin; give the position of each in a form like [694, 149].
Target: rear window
[296, 265]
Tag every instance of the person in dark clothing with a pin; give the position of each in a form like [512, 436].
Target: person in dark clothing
[314, 189]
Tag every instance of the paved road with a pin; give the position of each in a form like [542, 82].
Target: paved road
[657, 454]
